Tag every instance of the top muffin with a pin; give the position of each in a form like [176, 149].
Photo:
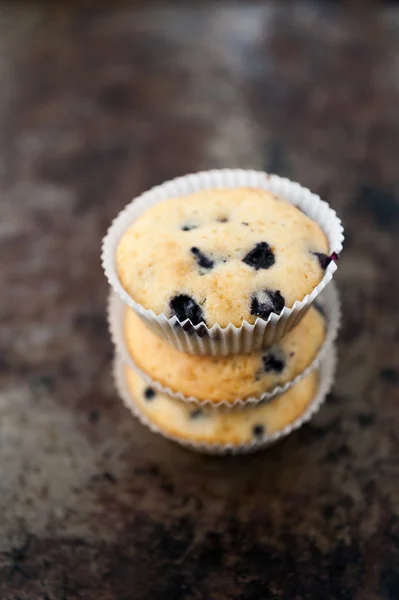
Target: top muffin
[222, 256]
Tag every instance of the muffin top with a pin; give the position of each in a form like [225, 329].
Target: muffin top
[221, 256]
[225, 378]
[212, 426]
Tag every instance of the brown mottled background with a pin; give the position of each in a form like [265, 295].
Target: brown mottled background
[98, 101]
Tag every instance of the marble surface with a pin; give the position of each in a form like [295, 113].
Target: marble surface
[99, 101]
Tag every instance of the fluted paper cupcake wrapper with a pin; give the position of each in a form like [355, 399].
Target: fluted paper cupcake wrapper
[326, 379]
[329, 300]
[216, 340]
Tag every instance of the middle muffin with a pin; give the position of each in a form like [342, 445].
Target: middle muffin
[225, 378]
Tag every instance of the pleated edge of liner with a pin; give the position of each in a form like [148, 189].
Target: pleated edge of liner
[122, 221]
[116, 309]
[327, 375]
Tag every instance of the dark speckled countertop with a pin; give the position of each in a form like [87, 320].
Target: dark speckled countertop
[99, 101]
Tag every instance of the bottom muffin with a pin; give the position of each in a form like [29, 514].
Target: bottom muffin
[190, 423]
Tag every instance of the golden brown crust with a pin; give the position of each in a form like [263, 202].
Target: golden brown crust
[156, 262]
[214, 426]
[224, 378]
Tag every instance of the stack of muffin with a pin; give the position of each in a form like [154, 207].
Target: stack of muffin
[223, 325]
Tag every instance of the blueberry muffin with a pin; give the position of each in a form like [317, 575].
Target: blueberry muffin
[192, 423]
[221, 256]
[225, 378]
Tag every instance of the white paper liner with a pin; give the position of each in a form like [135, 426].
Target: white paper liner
[228, 340]
[329, 300]
[326, 379]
